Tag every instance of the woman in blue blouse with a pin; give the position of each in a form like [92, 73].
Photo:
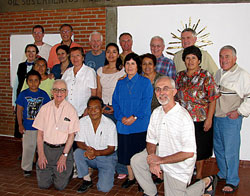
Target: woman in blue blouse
[62, 52]
[132, 108]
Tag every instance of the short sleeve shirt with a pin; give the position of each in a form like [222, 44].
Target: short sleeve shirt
[173, 132]
[57, 123]
[79, 86]
[106, 134]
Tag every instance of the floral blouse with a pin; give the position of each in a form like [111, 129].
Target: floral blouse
[196, 92]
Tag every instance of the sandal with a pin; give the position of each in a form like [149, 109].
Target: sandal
[213, 183]
[220, 179]
[234, 188]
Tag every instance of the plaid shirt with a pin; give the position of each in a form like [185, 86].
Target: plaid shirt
[166, 66]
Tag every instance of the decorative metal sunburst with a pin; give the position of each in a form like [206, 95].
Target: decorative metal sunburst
[202, 37]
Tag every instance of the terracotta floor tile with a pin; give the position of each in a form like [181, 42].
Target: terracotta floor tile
[13, 183]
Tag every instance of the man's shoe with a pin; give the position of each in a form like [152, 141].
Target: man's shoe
[26, 173]
[157, 181]
[85, 186]
[128, 183]
[140, 189]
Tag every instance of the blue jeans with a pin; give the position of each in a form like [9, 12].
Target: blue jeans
[105, 165]
[227, 147]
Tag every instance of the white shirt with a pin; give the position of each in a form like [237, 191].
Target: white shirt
[108, 82]
[173, 132]
[106, 133]
[79, 86]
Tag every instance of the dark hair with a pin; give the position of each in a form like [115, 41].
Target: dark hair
[66, 25]
[63, 47]
[136, 58]
[33, 73]
[38, 27]
[31, 45]
[93, 98]
[75, 49]
[41, 59]
[126, 33]
[150, 56]
[118, 61]
[192, 50]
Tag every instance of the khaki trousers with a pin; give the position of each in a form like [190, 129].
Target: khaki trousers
[29, 148]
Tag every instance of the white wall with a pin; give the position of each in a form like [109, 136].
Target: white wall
[226, 23]
[18, 43]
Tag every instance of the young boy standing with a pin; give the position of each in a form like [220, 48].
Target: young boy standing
[28, 104]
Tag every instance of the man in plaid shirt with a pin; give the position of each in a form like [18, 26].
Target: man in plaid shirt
[164, 65]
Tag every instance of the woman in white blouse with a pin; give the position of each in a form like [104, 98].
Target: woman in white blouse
[81, 81]
[108, 76]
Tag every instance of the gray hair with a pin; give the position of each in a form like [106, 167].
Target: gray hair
[95, 33]
[158, 37]
[230, 48]
[172, 82]
[189, 30]
[59, 81]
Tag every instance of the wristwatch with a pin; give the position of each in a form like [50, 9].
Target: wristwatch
[65, 154]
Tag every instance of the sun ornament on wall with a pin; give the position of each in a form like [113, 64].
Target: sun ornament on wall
[202, 37]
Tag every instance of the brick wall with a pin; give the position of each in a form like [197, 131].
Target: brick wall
[84, 21]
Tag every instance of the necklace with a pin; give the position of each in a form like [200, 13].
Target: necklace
[57, 120]
[130, 88]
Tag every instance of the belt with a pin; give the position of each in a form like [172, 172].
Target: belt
[54, 145]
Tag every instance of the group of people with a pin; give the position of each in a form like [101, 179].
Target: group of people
[135, 115]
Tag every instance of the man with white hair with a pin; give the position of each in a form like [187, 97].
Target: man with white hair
[188, 38]
[164, 65]
[171, 148]
[57, 122]
[95, 58]
[231, 107]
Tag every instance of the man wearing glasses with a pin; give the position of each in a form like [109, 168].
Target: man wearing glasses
[57, 122]
[66, 32]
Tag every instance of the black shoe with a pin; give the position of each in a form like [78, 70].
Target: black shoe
[157, 181]
[84, 187]
[140, 189]
[128, 183]
[26, 173]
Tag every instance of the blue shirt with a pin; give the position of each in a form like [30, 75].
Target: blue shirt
[31, 103]
[93, 61]
[133, 97]
[56, 70]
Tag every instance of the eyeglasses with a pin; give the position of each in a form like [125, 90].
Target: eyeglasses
[61, 90]
[164, 89]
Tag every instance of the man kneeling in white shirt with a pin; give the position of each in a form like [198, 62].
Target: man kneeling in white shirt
[171, 131]
[97, 142]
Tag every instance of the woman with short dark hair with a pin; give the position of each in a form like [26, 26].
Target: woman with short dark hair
[132, 108]
[197, 92]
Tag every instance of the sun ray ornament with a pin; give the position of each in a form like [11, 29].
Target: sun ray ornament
[202, 37]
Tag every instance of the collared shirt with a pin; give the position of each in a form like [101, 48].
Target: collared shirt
[207, 62]
[105, 135]
[53, 60]
[133, 97]
[196, 92]
[56, 70]
[79, 86]
[173, 132]
[166, 66]
[234, 87]
[57, 123]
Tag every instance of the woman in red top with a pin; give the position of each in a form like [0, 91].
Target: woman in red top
[197, 92]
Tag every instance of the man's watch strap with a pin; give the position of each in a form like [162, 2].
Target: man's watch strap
[65, 154]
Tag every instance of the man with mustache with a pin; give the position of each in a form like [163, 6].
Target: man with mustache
[171, 148]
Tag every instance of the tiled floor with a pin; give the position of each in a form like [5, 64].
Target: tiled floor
[12, 181]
